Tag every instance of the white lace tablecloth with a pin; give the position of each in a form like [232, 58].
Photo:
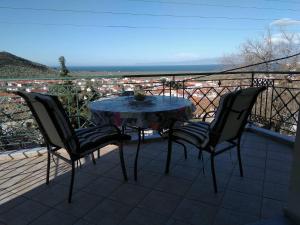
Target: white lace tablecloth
[154, 112]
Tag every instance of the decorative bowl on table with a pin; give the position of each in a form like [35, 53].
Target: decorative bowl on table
[141, 100]
[139, 93]
[139, 96]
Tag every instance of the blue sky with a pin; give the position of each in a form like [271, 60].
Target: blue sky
[87, 38]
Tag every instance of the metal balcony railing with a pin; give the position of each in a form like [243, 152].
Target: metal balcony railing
[277, 108]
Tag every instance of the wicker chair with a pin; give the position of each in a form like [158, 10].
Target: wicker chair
[228, 125]
[58, 133]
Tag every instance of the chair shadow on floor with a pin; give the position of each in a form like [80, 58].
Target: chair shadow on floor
[24, 195]
[183, 197]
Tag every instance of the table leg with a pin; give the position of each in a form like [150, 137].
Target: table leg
[137, 153]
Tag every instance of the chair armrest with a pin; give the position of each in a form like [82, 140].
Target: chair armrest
[206, 114]
[110, 125]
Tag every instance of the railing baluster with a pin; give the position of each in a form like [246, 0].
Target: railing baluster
[183, 88]
[266, 100]
[271, 108]
[252, 79]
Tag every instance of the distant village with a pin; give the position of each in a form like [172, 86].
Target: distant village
[108, 86]
[196, 91]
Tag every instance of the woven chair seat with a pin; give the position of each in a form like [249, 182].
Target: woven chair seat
[93, 137]
[194, 133]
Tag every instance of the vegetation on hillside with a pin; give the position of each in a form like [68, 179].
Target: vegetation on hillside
[24, 72]
[12, 66]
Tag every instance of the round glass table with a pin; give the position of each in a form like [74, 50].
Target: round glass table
[154, 112]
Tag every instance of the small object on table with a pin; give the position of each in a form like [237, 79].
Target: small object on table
[146, 101]
[139, 93]
[139, 96]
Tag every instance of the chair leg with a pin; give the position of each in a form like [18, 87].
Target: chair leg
[185, 151]
[78, 162]
[169, 155]
[213, 172]
[122, 161]
[143, 135]
[72, 181]
[93, 158]
[239, 156]
[48, 165]
[200, 156]
[137, 153]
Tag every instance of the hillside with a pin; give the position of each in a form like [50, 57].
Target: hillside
[12, 66]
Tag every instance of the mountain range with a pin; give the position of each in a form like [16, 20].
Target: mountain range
[12, 66]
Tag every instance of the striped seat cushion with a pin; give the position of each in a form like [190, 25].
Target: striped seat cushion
[195, 133]
[92, 137]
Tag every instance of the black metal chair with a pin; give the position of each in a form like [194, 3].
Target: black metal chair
[58, 133]
[228, 125]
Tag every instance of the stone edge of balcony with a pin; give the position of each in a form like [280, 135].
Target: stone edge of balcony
[34, 152]
[22, 153]
[39, 151]
[281, 138]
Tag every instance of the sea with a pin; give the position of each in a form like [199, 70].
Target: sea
[148, 69]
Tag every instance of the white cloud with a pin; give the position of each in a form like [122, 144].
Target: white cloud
[279, 38]
[285, 22]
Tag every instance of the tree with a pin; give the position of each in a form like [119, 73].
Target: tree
[63, 69]
[269, 46]
[75, 99]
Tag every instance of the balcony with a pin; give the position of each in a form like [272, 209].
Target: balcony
[185, 196]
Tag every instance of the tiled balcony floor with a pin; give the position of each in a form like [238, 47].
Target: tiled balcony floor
[185, 196]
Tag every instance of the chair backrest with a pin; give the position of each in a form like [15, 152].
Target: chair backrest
[232, 114]
[52, 120]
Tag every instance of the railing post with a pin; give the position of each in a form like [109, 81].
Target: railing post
[252, 79]
[183, 88]
[271, 107]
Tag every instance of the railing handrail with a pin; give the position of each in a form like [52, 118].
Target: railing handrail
[211, 73]
[154, 75]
